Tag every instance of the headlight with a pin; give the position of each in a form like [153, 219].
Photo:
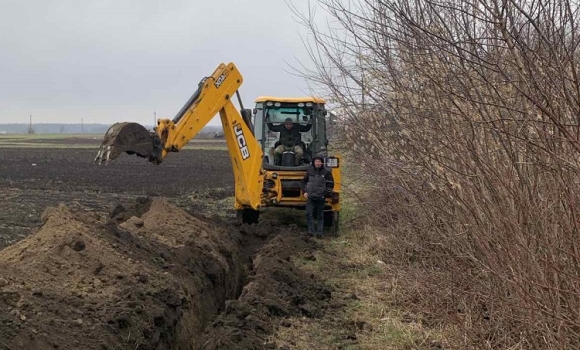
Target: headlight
[331, 162]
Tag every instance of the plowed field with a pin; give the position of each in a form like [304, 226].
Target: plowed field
[33, 178]
[138, 256]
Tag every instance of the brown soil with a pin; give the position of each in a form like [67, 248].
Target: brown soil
[33, 178]
[276, 290]
[154, 281]
[112, 269]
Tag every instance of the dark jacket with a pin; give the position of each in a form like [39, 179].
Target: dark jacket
[290, 137]
[317, 182]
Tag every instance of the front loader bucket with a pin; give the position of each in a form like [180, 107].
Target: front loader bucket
[131, 138]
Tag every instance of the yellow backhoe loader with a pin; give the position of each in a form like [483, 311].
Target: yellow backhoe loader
[265, 174]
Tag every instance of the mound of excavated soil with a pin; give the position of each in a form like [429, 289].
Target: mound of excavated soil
[151, 276]
[276, 290]
[81, 283]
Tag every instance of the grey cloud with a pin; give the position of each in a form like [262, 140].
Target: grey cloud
[108, 61]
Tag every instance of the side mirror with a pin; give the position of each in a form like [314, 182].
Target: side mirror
[246, 113]
[247, 118]
[255, 111]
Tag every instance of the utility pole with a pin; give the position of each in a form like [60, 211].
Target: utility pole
[82, 127]
[30, 131]
[154, 119]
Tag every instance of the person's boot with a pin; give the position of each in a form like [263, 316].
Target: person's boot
[318, 230]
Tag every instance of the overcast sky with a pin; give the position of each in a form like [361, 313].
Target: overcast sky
[120, 60]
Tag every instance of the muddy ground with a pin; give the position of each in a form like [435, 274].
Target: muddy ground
[136, 256]
[33, 178]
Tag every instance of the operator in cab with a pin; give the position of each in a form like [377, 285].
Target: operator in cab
[290, 138]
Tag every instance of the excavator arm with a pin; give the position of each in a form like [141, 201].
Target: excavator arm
[214, 95]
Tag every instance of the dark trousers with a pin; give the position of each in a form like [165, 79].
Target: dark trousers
[315, 215]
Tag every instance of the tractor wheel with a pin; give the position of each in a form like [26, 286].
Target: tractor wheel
[247, 216]
[331, 220]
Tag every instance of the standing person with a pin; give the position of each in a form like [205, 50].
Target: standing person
[290, 138]
[317, 180]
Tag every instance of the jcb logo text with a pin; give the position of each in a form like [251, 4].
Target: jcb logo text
[242, 144]
[221, 79]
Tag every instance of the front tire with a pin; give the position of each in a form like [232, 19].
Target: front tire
[248, 216]
[331, 220]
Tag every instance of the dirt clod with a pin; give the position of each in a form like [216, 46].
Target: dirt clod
[78, 245]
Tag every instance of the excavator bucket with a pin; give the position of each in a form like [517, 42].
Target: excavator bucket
[131, 138]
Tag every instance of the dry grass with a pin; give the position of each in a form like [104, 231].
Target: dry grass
[367, 312]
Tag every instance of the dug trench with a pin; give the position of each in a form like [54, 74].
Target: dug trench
[151, 276]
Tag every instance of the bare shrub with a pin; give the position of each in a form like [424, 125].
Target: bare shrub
[465, 115]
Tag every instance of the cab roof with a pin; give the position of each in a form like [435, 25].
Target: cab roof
[289, 99]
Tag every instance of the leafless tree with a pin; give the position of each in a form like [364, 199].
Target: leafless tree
[466, 114]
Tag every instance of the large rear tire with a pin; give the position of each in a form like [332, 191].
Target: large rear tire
[247, 216]
[331, 220]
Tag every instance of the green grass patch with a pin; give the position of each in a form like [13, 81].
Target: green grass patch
[46, 145]
[87, 141]
[50, 136]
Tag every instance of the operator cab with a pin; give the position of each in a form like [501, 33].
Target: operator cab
[308, 118]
